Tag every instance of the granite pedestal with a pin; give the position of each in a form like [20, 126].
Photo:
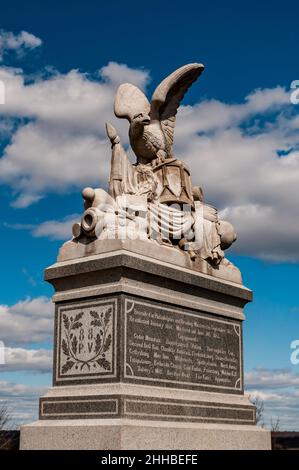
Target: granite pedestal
[148, 354]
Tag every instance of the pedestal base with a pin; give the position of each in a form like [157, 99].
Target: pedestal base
[147, 355]
[96, 434]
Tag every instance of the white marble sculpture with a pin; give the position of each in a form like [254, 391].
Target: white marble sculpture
[154, 199]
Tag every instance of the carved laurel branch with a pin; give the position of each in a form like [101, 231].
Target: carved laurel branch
[101, 345]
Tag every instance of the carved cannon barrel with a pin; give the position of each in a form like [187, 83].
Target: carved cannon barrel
[89, 221]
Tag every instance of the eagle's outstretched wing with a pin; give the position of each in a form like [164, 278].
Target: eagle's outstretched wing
[129, 101]
[168, 95]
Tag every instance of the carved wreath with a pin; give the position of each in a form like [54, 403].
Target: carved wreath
[101, 344]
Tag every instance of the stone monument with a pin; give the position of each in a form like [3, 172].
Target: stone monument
[148, 347]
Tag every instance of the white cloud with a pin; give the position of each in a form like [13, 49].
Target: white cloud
[271, 378]
[28, 321]
[22, 401]
[232, 149]
[283, 405]
[64, 145]
[17, 42]
[278, 389]
[212, 115]
[121, 73]
[56, 229]
[268, 232]
[233, 152]
[20, 359]
[52, 229]
[17, 389]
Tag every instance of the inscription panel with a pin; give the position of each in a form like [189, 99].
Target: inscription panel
[175, 348]
[86, 337]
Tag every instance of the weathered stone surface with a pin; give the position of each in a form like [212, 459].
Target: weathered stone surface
[154, 200]
[86, 343]
[139, 340]
[72, 250]
[140, 265]
[179, 348]
[125, 338]
[148, 347]
[131, 434]
[145, 408]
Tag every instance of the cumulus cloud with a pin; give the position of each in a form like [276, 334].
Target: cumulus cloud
[18, 389]
[20, 359]
[56, 229]
[246, 159]
[64, 145]
[213, 115]
[120, 73]
[27, 321]
[52, 229]
[22, 401]
[271, 379]
[244, 155]
[17, 42]
[278, 390]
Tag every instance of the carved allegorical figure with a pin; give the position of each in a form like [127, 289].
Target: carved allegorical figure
[154, 199]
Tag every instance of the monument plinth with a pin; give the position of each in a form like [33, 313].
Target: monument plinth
[148, 347]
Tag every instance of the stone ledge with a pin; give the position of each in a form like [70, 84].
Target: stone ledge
[121, 388]
[150, 291]
[73, 250]
[131, 263]
[98, 434]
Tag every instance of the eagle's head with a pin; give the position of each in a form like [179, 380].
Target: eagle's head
[137, 125]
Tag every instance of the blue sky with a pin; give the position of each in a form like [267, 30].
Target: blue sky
[235, 122]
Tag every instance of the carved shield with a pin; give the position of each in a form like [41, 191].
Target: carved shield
[173, 183]
[173, 177]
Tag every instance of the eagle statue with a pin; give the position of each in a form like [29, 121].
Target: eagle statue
[154, 199]
[152, 124]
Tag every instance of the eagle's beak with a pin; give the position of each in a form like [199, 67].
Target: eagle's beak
[146, 120]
